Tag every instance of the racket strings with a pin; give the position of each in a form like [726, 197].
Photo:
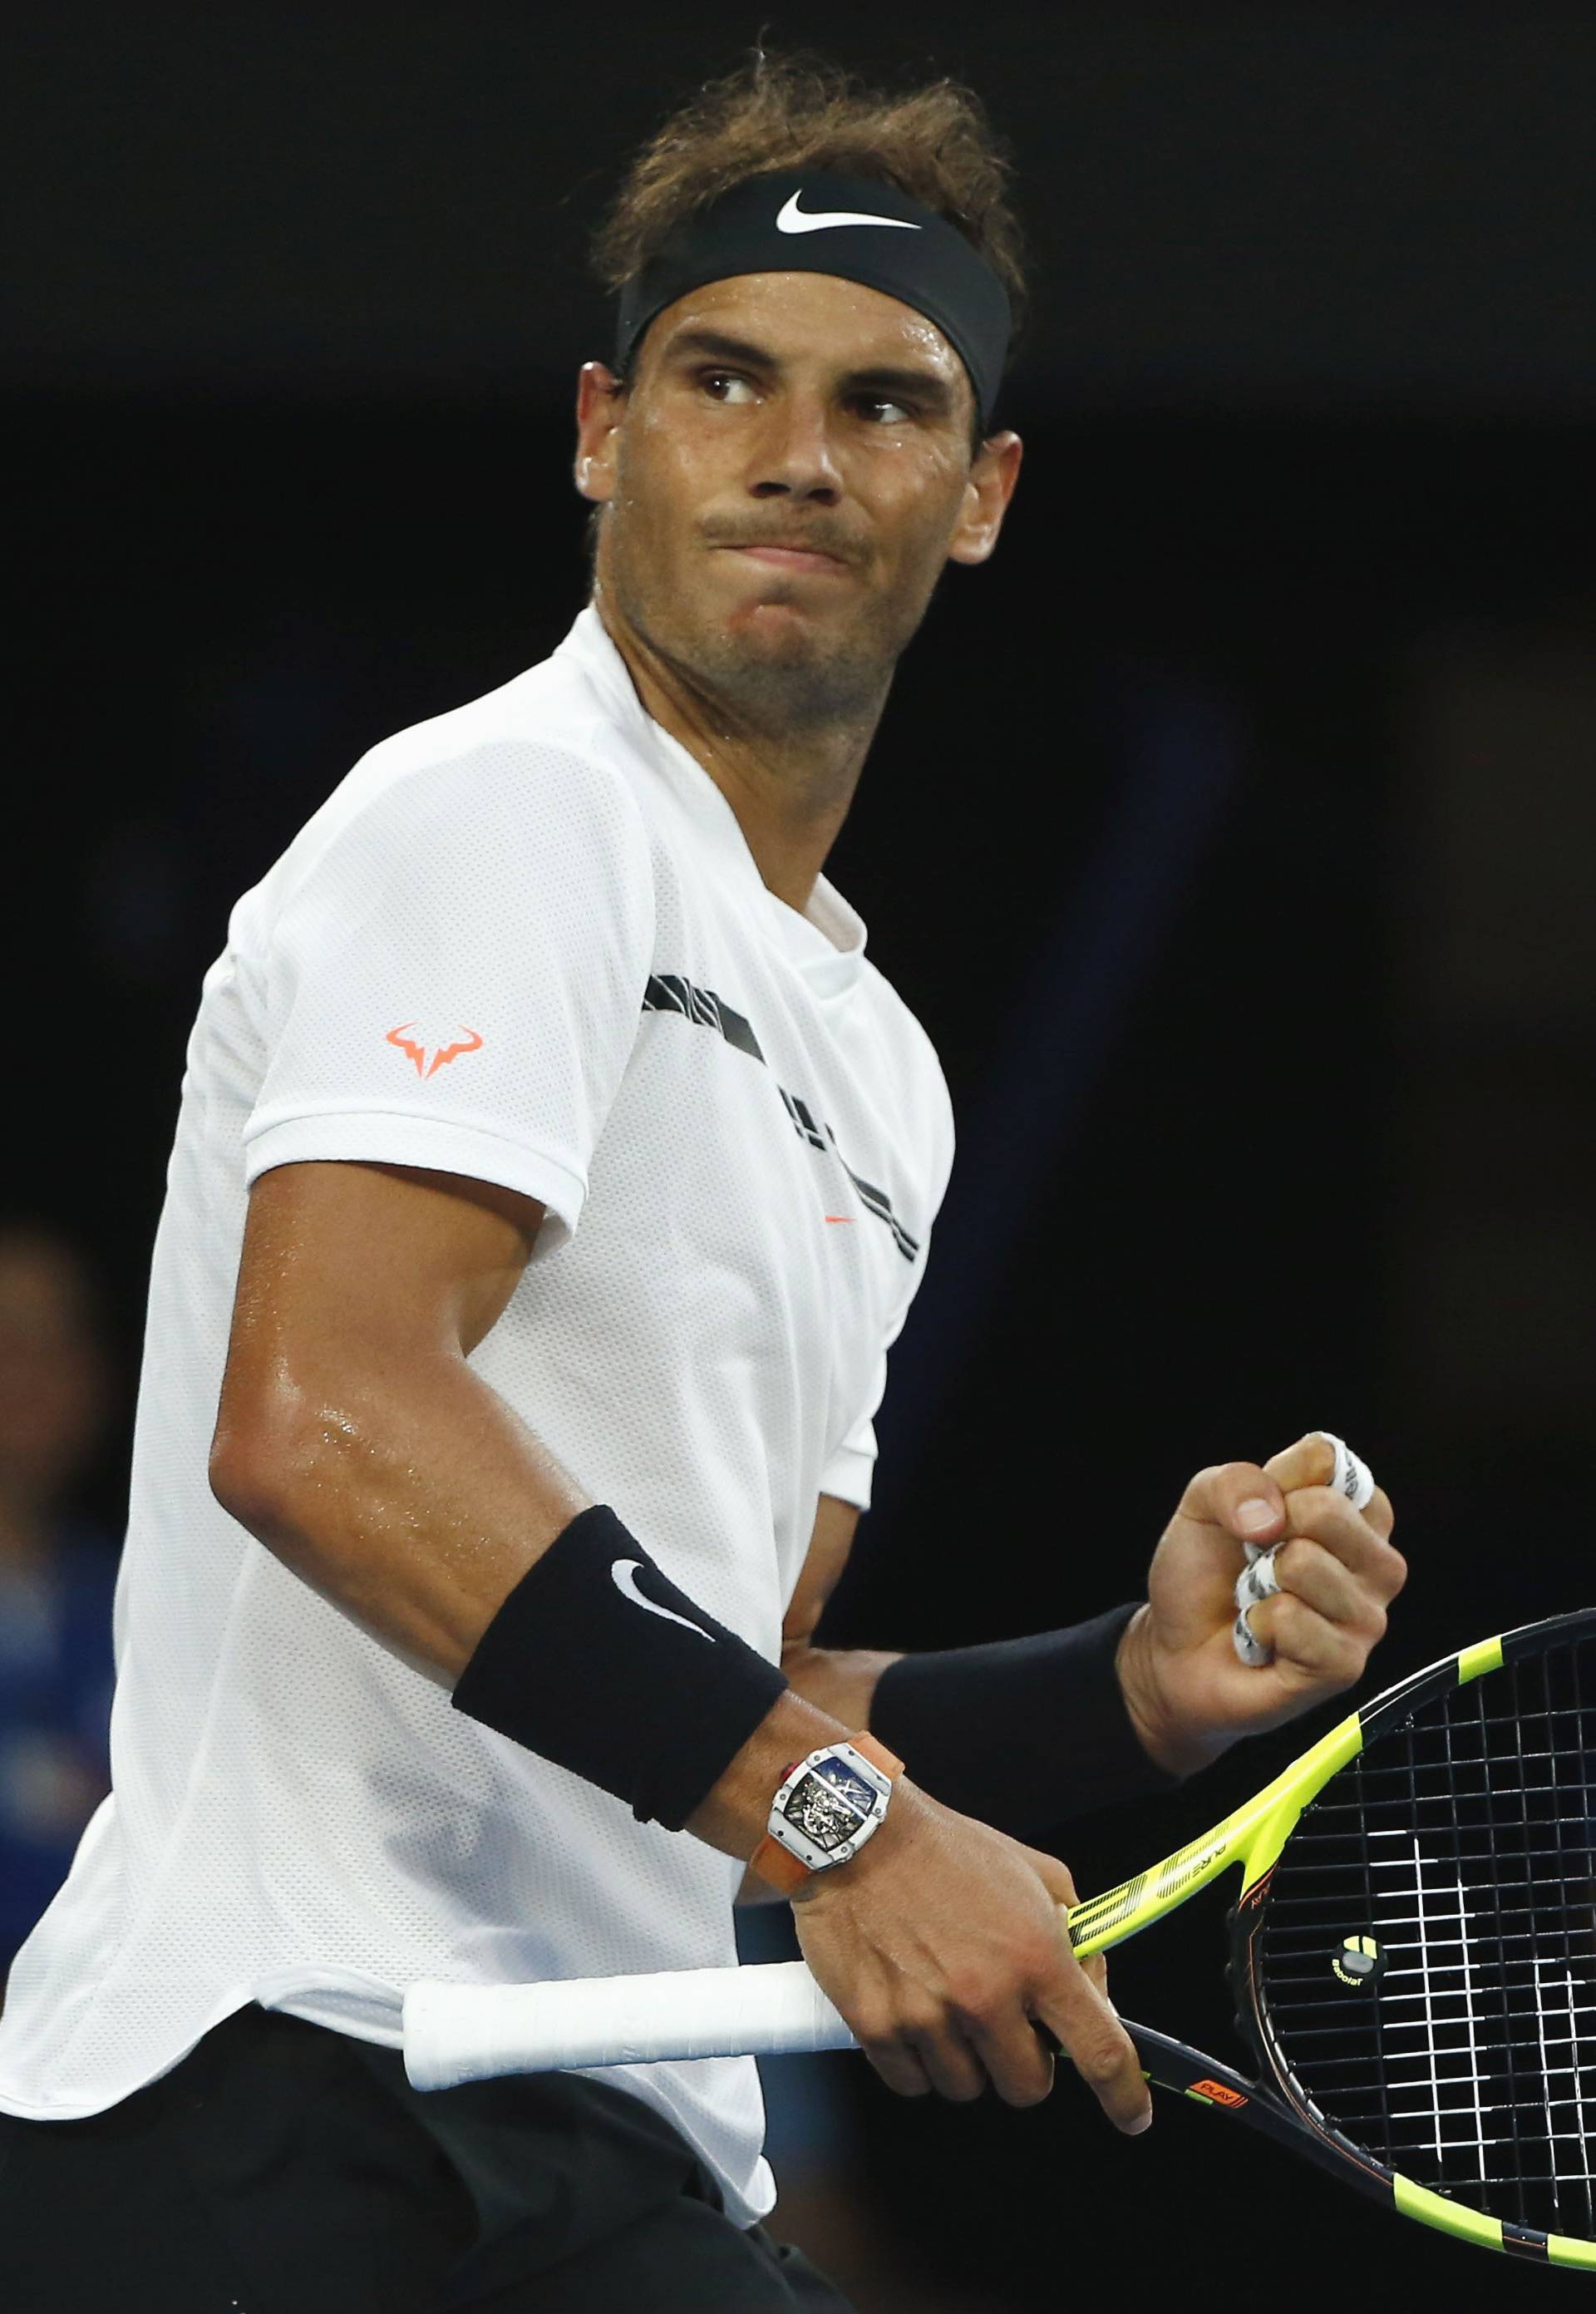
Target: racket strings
[1427, 1962]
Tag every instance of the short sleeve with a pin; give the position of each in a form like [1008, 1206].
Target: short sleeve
[454, 979]
[851, 1468]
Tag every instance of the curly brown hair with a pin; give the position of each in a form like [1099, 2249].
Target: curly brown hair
[797, 112]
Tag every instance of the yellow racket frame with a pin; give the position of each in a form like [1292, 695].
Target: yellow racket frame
[1252, 1837]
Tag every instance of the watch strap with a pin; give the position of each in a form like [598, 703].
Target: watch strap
[780, 1866]
[878, 1754]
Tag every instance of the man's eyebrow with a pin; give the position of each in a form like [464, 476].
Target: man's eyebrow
[923, 385]
[722, 349]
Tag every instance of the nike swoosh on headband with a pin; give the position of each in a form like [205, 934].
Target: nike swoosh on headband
[623, 1573]
[794, 219]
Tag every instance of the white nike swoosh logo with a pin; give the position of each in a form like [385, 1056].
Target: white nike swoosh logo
[794, 219]
[624, 1573]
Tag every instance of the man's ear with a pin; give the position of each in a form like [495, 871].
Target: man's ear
[993, 473]
[600, 406]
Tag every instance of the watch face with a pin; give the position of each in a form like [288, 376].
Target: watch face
[829, 1803]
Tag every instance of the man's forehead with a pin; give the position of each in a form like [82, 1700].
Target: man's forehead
[817, 316]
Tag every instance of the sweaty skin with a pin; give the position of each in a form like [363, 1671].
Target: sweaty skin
[782, 480]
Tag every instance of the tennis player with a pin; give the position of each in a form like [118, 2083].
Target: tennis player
[552, 1174]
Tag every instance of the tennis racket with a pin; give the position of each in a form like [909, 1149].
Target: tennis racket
[1413, 1958]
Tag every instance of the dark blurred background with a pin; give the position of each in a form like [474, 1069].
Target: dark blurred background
[1233, 834]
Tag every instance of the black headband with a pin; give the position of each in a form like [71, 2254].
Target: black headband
[810, 221]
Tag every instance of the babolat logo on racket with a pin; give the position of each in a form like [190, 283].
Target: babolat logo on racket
[1359, 1964]
[1216, 2093]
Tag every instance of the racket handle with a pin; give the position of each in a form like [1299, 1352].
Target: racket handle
[455, 2033]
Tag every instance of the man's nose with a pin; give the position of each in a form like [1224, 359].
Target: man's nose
[795, 456]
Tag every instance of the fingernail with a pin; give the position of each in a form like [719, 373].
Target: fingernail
[1255, 1514]
[1137, 2127]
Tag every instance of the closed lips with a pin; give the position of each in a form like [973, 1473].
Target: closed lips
[797, 548]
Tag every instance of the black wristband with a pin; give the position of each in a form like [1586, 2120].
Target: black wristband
[598, 1662]
[1023, 1733]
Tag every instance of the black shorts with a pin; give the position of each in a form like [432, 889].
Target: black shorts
[282, 2168]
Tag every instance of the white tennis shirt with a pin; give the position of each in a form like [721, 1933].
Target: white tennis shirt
[524, 941]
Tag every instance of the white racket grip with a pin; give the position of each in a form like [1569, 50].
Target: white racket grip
[455, 2033]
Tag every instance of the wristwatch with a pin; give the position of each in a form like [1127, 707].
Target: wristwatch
[825, 1809]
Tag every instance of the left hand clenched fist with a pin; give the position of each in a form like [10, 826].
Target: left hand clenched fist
[1189, 1696]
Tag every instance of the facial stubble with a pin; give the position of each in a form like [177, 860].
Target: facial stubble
[781, 674]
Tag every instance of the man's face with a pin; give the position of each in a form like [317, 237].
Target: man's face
[785, 478]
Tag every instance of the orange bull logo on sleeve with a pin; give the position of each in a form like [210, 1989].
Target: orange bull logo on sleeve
[429, 1057]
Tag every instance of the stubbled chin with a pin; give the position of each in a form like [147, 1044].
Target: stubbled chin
[782, 668]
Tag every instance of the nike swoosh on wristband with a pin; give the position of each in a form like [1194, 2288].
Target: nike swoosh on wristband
[794, 219]
[623, 1573]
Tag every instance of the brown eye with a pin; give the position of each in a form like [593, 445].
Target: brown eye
[723, 385]
[882, 411]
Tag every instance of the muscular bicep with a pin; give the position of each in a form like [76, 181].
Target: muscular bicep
[829, 1542]
[369, 1265]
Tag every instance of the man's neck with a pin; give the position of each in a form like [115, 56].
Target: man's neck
[790, 790]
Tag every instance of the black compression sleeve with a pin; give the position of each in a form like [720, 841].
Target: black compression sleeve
[598, 1662]
[1023, 1733]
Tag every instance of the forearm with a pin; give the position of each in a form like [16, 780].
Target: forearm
[414, 1503]
[1023, 1733]
[841, 1680]
[418, 1507]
